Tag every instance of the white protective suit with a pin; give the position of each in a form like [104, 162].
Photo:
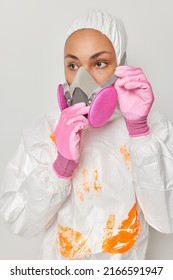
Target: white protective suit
[121, 185]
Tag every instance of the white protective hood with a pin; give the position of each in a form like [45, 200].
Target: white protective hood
[107, 24]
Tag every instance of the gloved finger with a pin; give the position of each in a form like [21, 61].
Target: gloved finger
[142, 89]
[76, 119]
[129, 73]
[80, 109]
[73, 108]
[126, 68]
[138, 85]
[80, 126]
[76, 133]
[123, 71]
[119, 90]
[84, 110]
[121, 82]
[77, 106]
[79, 112]
[70, 112]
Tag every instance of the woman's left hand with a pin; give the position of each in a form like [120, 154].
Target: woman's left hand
[135, 98]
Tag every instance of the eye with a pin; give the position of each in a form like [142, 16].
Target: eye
[73, 66]
[101, 64]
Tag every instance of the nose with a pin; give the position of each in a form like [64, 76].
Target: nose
[85, 69]
[83, 77]
[84, 81]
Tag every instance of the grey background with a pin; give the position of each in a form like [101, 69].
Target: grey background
[31, 66]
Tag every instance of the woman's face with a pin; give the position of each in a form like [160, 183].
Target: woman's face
[91, 49]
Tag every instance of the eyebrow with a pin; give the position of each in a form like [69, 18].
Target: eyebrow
[98, 54]
[71, 56]
[92, 57]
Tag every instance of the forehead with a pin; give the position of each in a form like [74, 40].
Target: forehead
[87, 40]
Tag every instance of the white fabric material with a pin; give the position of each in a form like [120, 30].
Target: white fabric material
[91, 214]
[107, 24]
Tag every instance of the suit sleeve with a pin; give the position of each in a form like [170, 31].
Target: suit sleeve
[31, 194]
[152, 167]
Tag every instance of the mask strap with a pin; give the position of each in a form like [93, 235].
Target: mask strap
[123, 59]
[110, 81]
[68, 97]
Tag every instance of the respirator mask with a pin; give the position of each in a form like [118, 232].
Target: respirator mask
[102, 99]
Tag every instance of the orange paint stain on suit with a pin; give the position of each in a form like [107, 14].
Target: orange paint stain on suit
[96, 185]
[71, 243]
[85, 183]
[126, 155]
[52, 137]
[110, 226]
[128, 231]
[80, 195]
[84, 188]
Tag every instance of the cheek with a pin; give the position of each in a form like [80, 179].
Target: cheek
[100, 79]
[69, 76]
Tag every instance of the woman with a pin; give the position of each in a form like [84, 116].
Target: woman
[112, 175]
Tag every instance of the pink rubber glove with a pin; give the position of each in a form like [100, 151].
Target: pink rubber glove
[135, 98]
[68, 139]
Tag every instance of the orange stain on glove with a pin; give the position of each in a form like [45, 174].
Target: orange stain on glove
[128, 231]
[71, 243]
[126, 155]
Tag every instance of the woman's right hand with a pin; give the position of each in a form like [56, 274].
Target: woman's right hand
[68, 138]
